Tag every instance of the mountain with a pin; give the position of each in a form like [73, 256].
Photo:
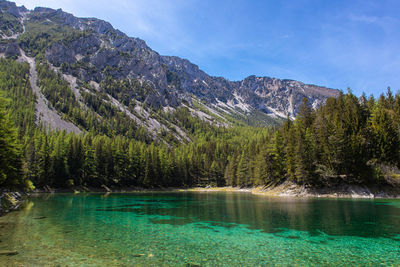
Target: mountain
[105, 70]
[148, 120]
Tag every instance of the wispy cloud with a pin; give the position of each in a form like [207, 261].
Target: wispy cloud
[363, 18]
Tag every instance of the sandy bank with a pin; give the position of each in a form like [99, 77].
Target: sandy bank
[293, 190]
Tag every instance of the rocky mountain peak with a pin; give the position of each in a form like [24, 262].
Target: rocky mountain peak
[12, 8]
[92, 51]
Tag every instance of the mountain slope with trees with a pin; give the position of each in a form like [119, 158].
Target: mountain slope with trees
[99, 62]
[170, 130]
[349, 140]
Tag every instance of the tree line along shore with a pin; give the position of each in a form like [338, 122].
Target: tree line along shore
[348, 141]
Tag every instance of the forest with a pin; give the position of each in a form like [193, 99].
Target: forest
[348, 140]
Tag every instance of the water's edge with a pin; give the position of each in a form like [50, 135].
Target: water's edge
[293, 190]
[10, 201]
[286, 189]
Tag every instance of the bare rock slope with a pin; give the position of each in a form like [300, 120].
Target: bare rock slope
[87, 51]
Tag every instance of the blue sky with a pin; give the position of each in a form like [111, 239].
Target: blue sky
[337, 44]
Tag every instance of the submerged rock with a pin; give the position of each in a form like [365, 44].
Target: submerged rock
[8, 252]
[40, 218]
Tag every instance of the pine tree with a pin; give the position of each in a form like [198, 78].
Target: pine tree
[242, 175]
[386, 137]
[10, 151]
[230, 171]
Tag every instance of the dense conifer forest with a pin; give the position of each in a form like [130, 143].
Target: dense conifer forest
[348, 140]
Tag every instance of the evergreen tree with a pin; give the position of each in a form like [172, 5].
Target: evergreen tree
[242, 175]
[10, 151]
[386, 137]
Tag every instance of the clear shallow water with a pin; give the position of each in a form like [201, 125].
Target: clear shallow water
[200, 229]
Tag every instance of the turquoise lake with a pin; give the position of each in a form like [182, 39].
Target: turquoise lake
[200, 229]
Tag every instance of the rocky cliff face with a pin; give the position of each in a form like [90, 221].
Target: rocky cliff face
[91, 50]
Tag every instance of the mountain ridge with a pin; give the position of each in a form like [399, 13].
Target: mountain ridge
[93, 52]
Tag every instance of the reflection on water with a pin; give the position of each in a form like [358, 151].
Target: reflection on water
[366, 218]
[205, 229]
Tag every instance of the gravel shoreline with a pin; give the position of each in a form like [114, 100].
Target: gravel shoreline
[293, 190]
[10, 201]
